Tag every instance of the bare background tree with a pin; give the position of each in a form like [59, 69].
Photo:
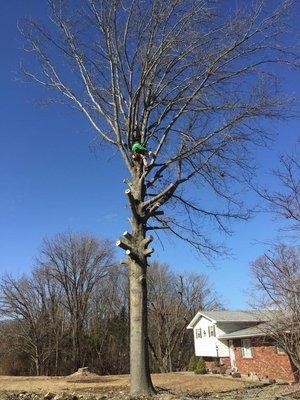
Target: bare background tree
[189, 79]
[277, 272]
[285, 202]
[77, 263]
[15, 359]
[52, 305]
[277, 278]
[43, 335]
[174, 300]
[24, 302]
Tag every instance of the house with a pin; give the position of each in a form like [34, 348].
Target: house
[235, 340]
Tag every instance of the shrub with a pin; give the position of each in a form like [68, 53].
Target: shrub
[201, 369]
[193, 363]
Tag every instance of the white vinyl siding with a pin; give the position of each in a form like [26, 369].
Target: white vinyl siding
[205, 345]
[246, 348]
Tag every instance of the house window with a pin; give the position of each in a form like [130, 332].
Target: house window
[198, 333]
[246, 348]
[212, 331]
[280, 350]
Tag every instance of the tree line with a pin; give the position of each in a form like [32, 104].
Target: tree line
[72, 310]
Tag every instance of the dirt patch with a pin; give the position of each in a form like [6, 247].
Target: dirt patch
[84, 375]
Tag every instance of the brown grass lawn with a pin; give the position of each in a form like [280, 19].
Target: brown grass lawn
[176, 382]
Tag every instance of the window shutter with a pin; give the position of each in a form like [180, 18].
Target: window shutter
[198, 333]
[212, 331]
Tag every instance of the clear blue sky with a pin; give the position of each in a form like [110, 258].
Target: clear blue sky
[51, 180]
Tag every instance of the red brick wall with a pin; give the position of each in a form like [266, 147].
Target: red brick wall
[211, 364]
[226, 362]
[265, 361]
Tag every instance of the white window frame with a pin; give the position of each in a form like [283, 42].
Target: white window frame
[246, 348]
[212, 331]
[198, 333]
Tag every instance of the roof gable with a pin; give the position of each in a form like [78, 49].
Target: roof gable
[196, 319]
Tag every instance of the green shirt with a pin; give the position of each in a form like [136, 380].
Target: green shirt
[138, 148]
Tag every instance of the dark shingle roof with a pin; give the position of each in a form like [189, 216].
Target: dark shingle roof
[257, 330]
[232, 316]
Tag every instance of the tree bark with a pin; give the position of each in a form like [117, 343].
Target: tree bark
[141, 384]
[76, 346]
[139, 354]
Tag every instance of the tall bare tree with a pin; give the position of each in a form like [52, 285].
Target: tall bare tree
[190, 80]
[277, 279]
[77, 262]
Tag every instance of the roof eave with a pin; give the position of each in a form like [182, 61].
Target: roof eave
[242, 336]
[239, 320]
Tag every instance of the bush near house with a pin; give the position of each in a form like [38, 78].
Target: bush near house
[200, 369]
[193, 363]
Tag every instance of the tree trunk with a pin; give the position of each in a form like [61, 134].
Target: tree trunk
[36, 359]
[76, 346]
[137, 263]
[56, 355]
[139, 354]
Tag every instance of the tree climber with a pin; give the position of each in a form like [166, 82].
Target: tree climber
[140, 152]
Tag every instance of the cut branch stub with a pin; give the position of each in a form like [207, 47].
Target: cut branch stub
[128, 193]
[131, 254]
[123, 244]
[154, 208]
[145, 242]
[127, 236]
[131, 202]
[157, 213]
[148, 252]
